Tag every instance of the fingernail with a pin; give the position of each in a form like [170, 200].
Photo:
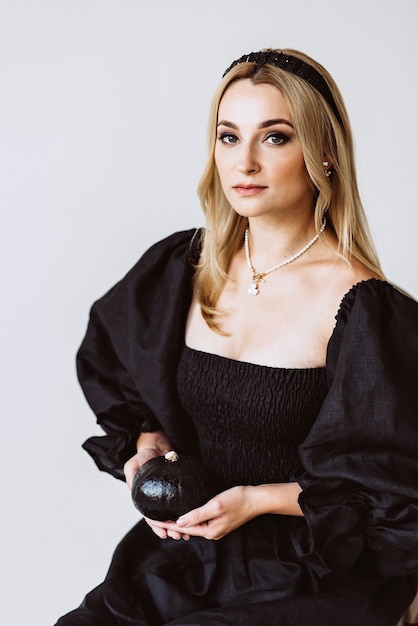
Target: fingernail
[182, 521]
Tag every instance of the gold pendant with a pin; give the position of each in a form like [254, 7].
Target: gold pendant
[257, 278]
[253, 290]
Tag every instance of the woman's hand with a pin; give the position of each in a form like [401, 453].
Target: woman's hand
[149, 445]
[215, 519]
[222, 514]
[231, 509]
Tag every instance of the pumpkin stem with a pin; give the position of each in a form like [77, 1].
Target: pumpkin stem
[171, 456]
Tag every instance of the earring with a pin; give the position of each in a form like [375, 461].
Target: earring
[327, 171]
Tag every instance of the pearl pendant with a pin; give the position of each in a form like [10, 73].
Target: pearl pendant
[253, 290]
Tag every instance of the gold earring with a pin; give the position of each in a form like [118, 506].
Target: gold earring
[327, 171]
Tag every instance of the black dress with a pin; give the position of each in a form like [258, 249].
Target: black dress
[347, 433]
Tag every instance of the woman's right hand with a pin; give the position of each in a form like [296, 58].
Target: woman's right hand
[149, 445]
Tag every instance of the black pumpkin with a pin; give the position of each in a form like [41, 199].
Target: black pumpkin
[166, 487]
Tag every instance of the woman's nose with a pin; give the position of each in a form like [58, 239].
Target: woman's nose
[247, 162]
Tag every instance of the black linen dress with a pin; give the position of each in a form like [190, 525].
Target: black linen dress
[348, 434]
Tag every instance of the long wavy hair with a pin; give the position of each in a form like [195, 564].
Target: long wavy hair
[337, 196]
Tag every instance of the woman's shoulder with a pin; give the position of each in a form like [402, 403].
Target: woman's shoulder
[377, 295]
[374, 316]
[171, 252]
[163, 266]
[180, 242]
[361, 291]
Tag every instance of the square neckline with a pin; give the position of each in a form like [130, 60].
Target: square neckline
[347, 299]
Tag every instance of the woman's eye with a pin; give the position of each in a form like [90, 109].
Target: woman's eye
[277, 138]
[227, 138]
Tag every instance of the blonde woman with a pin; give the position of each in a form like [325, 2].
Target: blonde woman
[269, 345]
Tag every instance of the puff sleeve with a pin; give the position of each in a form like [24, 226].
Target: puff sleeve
[126, 362]
[360, 459]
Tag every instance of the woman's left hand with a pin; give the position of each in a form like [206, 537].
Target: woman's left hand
[230, 509]
[219, 516]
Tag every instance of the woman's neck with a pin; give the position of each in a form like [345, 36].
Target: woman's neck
[271, 242]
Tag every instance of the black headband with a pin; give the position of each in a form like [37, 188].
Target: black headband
[294, 66]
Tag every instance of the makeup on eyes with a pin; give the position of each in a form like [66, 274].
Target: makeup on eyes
[277, 138]
[284, 137]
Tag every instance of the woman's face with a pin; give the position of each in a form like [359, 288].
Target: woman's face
[258, 155]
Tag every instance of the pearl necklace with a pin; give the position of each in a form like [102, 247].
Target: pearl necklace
[258, 277]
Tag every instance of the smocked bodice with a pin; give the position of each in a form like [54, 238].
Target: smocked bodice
[250, 419]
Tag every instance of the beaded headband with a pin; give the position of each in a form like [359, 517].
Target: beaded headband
[294, 66]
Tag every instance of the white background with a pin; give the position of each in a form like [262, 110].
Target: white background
[103, 109]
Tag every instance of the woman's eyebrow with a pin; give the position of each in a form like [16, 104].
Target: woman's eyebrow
[228, 124]
[279, 120]
[265, 124]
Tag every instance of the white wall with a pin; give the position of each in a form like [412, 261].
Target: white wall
[103, 111]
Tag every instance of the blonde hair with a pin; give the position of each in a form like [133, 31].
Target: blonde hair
[320, 133]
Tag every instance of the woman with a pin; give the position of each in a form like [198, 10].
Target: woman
[270, 345]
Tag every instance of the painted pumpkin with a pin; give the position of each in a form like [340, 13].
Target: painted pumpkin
[166, 487]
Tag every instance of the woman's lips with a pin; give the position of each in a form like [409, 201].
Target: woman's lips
[248, 190]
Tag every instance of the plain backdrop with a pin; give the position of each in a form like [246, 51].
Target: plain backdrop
[103, 109]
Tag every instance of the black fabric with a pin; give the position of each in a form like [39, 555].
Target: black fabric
[126, 363]
[250, 419]
[153, 582]
[353, 560]
[360, 479]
